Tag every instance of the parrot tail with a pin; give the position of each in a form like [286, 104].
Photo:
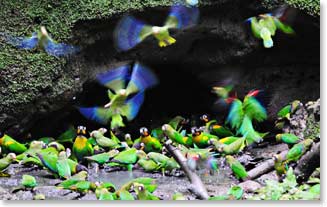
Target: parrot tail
[142, 77]
[60, 49]
[22, 42]
[185, 16]
[128, 33]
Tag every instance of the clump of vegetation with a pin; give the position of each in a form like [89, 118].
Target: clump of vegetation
[288, 189]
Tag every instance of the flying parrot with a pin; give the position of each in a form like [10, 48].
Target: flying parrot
[151, 144]
[265, 25]
[130, 31]
[8, 144]
[237, 168]
[176, 136]
[42, 40]
[124, 101]
[224, 93]
[298, 150]
[29, 181]
[81, 147]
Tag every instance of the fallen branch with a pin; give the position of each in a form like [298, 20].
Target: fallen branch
[308, 163]
[197, 186]
[264, 168]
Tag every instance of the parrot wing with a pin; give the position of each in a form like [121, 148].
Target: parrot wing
[239, 170]
[141, 79]
[182, 16]
[295, 152]
[59, 49]
[129, 32]
[98, 114]
[284, 111]
[27, 43]
[175, 122]
[114, 79]
[254, 110]
[248, 131]
[235, 114]
[283, 27]
[255, 26]
[133, 105]
[63, 169]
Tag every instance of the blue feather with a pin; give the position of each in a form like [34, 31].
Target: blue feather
[92, 113]
[134, 104]
[186, 16]
[59, 49]
[119, 74]
[142, 77]
[127, 33]
[23, 42]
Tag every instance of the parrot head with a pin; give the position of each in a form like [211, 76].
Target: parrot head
[307, 142]
[144, 132]
[166, 127]
[128, 137]
[156, 30]
[11, 156]
[294, 105]
[195, 131]
[277, 158]
[204, 118]
[103, 130]
[278, 137]
[81, 130]
[62, 155]
[229, 158]
[38, 145]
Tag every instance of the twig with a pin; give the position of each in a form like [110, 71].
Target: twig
[264, 167]
[197, 185]
[308, 163]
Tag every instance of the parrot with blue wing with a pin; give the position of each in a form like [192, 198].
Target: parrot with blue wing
[42, 40]
[130, 31]
[123, 101]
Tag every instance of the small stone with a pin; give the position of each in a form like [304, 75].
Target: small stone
[250, 186]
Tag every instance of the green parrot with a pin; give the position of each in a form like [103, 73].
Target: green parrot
[223, 92]
[62, 165]
[68, 136]
[228, 140]
[285, 113]
[81, 176]
[265, 26]
[149, 184]
[287, 138]
[81, 146]
[46, 140]
[128, 140]
[103, 141]
[126, 158]
[151, 144]
[130, 31]
[233, 148]
[142, 193]
[201, 139]
[8, 144]
[148, 165]
[280, 165]
[179, 197]
[41, 40]
[29, 181]
[176, 136]
[125, 195]
[163, 162]
[49, 160]
[298, 150]
[35, 146]
[103, 157]
[5, 162]
[237, 168]
[212, 127]
[178, 122]
[83, 186]
[106, 195]
[235, 193]
[59, 147]
[125, 101]
[108, 186]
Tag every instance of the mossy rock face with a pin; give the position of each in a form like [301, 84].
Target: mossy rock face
[35, 86]
[311, 7]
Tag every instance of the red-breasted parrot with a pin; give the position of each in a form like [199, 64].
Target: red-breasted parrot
[125, 101]
[130, 31]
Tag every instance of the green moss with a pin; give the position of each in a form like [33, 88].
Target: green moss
[311, 7]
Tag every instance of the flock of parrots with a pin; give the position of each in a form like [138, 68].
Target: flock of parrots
[68, 156]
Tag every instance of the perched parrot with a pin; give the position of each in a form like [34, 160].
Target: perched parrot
[280, 165]
[148, 165]
[111, 188]
[29, 181]
[124, 101]
[130, 31]
[149, 184]
[285, 113]
[128, 140]
[42, 40]
[81, 146]
[151, 144]
[164, 162]
[298, 150]
[142, 193]
[103, 141]
[83, 186]
[104, 194]
[8, 144]
[49, 160]
[68, 136]
[124, 195]
[63, 166]
[237, 168]
[81, 176]
[233, 148]
[103, 157]
[35, 146]
[287, 138]
[176, 136]
[201, 139]
[213, 128]
[6, 161]
[265, 26]
[178, 122]
[235, 193]
[126, 158]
